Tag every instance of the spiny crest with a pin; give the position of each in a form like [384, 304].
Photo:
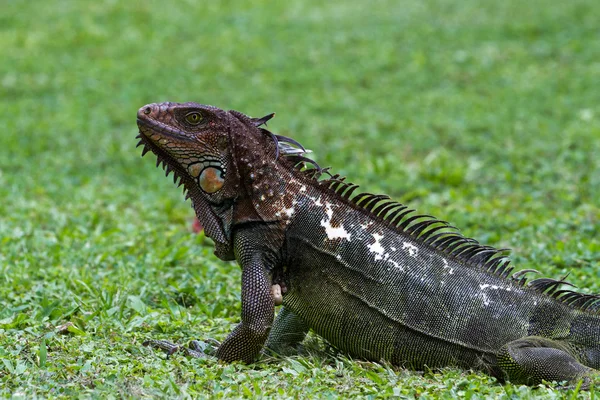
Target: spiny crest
[286, 146]
[431, 231]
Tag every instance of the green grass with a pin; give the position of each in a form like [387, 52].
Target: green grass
[485, 114]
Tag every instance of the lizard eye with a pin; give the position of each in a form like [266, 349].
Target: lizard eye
[193, 118]
[211, 179]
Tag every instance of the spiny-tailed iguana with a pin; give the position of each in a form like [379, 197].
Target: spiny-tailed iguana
[362, 271]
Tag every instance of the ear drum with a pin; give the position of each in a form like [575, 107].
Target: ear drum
[211, 179]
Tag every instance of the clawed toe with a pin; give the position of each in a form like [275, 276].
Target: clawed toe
[195, 349]
[167, 347]
[207, 347]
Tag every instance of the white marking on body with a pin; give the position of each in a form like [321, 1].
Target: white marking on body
[396, 265]
[335, 233]
[288, 212]
[486, 301]
[330, 231]
[446, 266]
[493, 287]
[483, 295]
[328, 211]
[413, 251]
[377, 248]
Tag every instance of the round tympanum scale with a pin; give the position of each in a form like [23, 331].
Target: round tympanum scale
[211, 179]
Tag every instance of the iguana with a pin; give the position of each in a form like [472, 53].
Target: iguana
[364, 272]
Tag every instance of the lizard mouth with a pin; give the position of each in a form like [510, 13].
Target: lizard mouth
[149, 127]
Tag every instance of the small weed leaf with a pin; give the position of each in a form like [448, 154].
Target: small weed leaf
[136, 304]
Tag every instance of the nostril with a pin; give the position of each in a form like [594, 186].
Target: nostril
[147, 110]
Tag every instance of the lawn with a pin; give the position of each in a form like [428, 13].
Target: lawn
[484, 114]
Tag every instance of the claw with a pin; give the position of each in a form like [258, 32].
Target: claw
[207, 347]
[196, 346]
[195, 349]
[167, 347]
[212, 342]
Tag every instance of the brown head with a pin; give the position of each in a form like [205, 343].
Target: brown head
[226, 162]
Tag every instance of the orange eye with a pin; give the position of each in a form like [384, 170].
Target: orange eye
[194, 118]
[211, 179]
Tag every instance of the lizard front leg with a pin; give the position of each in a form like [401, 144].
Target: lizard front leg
[246, 341]
[248, 338]
[256, 250]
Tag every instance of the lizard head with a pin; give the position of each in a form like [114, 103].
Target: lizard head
[230, 167]
[192, 141]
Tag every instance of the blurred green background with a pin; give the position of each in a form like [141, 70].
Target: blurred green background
[485, 114]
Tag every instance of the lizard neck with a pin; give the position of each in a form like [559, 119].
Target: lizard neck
[269, 186]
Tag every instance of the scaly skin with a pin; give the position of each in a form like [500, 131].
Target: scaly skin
[360, 270]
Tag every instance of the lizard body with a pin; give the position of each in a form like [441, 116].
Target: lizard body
[364, 272]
